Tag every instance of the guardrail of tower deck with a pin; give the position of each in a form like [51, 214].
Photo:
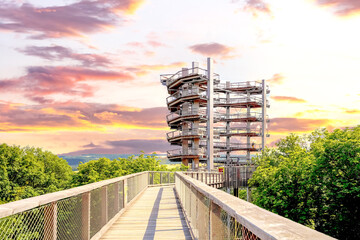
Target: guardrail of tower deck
[185, 113]
[173, 97]
[186, 132]
[193, 111]
[215, 214]
[213, 178]
[83, 212]
[187, 152]
[240, 100]
[170, 78]
[185, 93]
[172, 116]
[238, 130]
[222, 116]
[246, 84]
[235, 146]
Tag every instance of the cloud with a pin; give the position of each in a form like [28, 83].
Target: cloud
[352, 111]
[44, 81]
[64, 21]
[156, 44]
[276, 79]
[129, 146]
[22, 118]
[151, 43]
[213, 50]
[311, 111]
[288, 99]
[145, 69]
[70, 115]
[287, 125]
[342, 7]
[257, 6]
[60, 53]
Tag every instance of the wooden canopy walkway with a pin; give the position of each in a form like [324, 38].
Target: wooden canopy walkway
[147, 205]
[156, 214]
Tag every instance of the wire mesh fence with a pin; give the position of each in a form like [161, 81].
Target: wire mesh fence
[95, 212]
[69, 218]
[135, 185]
[24, 225]
[208, 220]
[78, 213]
[156, 178]
[238, 176]
[214, 179]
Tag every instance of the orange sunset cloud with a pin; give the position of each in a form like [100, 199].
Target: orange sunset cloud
[288, 99]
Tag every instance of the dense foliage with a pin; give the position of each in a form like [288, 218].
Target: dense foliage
[105, 168]
[314, 180]
[27, 172]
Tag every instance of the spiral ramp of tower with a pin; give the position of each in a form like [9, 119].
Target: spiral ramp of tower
[240, 120]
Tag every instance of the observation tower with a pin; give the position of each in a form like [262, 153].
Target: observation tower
[214, 121]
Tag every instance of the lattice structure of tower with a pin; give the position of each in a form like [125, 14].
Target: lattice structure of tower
[213, 120]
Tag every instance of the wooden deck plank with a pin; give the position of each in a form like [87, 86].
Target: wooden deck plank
[155, 215]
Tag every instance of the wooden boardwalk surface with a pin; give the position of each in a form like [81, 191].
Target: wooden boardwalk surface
[154, 215]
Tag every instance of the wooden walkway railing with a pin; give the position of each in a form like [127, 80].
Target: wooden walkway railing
[143, 205]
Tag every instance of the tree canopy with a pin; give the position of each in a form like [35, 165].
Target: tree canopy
[314, 180]
[27, 172]
[104, 168]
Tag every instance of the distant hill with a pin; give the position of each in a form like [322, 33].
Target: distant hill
[75, 160]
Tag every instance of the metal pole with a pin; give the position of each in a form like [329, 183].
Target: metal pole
[263, 114]
[248, 130]
[210, 115]
[228, 125]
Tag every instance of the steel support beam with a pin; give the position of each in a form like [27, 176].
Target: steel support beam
[264, 104]
[210, 115]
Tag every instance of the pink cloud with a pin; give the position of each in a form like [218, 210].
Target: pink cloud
[67, 115]
[40, 82]
[255, 6]
[287, 125]
[156, 44]
[213, 50]
[63, 21]
[276, 79]
[61, 53]
[342, 7]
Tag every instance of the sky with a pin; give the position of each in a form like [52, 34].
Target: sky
[82, 76]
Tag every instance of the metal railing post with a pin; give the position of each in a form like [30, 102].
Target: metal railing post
[168, 177]
[50, 221]
[160, 177]
[125, 195]
[104, 205]
[116, 198]
[216, 225]
[85, 216]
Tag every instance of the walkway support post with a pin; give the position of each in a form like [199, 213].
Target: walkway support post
[104, 205]
[264, 105]
[50, 218]
[210, 115]
[85, 216]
